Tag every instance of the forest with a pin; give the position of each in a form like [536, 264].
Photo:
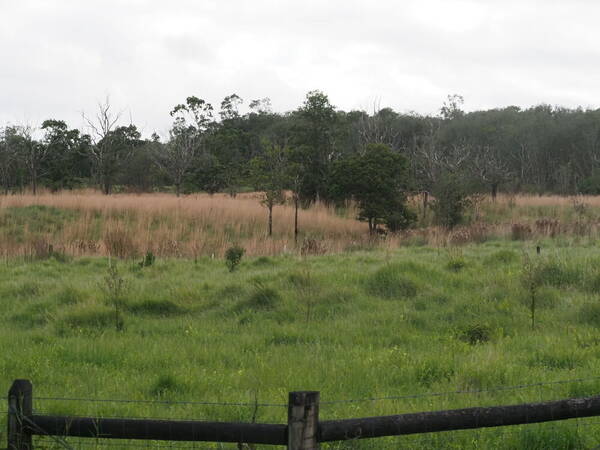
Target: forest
[538, 150]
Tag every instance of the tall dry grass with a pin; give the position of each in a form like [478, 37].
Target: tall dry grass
[190, 226]
[128, 225]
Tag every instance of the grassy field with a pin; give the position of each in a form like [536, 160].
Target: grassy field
[355, 325]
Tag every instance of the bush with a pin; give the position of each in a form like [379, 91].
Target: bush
[233, 257]
[401, 219]
[148, 260]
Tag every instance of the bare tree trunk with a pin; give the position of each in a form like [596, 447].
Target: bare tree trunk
[34, 181]
[295, 218]
[270, 219]
[425, 203]
[494, 191]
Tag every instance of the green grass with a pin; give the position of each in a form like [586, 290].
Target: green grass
[380, 324]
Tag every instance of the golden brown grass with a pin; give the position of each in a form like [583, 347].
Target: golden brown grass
[128, 225]
[190, 226]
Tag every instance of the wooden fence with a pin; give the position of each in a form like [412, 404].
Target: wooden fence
[303, 431]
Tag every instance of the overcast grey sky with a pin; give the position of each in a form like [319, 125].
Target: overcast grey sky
[60, 57]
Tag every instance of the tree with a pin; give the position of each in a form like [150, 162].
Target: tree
[230, 106]
[451, 109]
[67, 162]
[377, 180]
[268, 175]
[112, 145]
[313, 139]
[8, 158]
[490, 169]
[31, 153]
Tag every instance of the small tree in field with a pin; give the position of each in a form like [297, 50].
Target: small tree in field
[451, 201]
[233, 257]
[115, 287]
[269, 175]
[377, 180]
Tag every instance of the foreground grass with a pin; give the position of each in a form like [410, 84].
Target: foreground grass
[353, 326]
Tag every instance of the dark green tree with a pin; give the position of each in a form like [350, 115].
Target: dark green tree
[377, 180]
[268, 175]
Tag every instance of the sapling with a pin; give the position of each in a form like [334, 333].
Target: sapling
[531, 282]
[115, 287]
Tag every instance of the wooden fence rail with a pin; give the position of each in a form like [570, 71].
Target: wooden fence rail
[303, 431]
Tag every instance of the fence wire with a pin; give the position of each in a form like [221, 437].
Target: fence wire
[327, 402]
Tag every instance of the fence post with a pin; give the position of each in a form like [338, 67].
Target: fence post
[303, 420]
[20, 404]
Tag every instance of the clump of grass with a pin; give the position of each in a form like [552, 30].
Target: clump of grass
[68, 295]
[88, 317]
[456, 260]
[263, 298]
[306, 289]
[156, 307]
[391, 282]
[558, 272]
[430, 372]
[590, 313]
[263, 261]
[166, 385]
[25, 290]
[475, 333]
[556, 360]
[501, 257]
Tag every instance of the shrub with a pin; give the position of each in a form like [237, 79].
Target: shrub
[233, 257]
[148, 260]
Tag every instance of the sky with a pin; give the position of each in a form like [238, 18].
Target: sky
[59, 58]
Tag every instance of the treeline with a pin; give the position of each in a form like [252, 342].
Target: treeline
[316, 151]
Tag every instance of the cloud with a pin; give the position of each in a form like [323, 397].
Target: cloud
[61, 56]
